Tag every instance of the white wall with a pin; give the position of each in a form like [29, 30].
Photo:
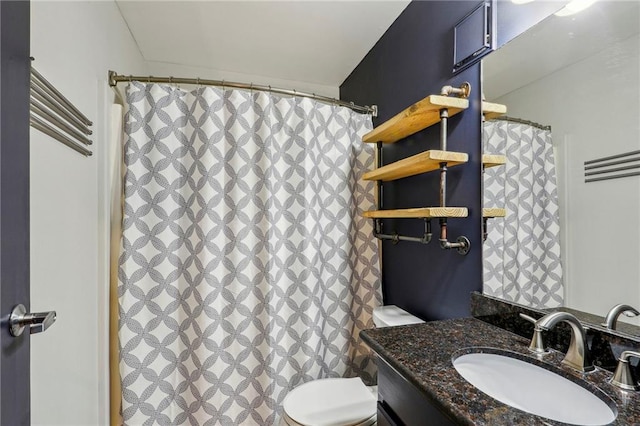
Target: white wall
[593, 108]
[75, 44]
[165, 69]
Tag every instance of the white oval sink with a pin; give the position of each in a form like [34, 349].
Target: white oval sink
[533, 389]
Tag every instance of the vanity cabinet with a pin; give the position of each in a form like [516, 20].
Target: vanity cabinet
[418, 384]
[401, 403]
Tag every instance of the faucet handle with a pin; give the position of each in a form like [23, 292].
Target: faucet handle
[623, 376]
[537, 343]
[528, 318]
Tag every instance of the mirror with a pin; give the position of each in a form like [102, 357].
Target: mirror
[580, 75]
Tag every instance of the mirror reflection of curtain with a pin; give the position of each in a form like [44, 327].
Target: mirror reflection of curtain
[522, 251]
[246, 267]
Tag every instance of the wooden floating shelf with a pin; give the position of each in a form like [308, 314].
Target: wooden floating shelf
[489, 160]
[491, 110]
[424, 213]
[493, 212]
[421, 163]
[417, 117]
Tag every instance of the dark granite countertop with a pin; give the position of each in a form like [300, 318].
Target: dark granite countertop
[422, 354]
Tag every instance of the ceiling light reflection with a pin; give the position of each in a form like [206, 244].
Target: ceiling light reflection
[574, 7]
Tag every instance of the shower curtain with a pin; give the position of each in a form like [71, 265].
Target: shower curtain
[522, 251]
[245, 268]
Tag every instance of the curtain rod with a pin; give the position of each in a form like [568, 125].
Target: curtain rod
[521, 121]
[115, 78]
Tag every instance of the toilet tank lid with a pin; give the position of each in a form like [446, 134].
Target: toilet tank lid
[391, 315]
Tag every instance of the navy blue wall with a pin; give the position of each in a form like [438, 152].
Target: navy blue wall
[14, 207]
[413, 59]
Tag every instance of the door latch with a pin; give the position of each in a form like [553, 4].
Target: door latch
[37, 322]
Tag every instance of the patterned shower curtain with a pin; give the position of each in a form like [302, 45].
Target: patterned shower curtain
[522, 251]
[246, 268]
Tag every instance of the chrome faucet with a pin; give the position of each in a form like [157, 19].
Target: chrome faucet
[612, 317]
[623, 377]
[577, 355]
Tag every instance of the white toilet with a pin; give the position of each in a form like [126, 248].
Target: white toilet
[340, 402]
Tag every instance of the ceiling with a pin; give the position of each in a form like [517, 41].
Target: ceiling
[318, 42]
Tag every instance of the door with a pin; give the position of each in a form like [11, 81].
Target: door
[14, 208]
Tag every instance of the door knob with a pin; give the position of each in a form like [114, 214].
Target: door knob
[37, 322]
